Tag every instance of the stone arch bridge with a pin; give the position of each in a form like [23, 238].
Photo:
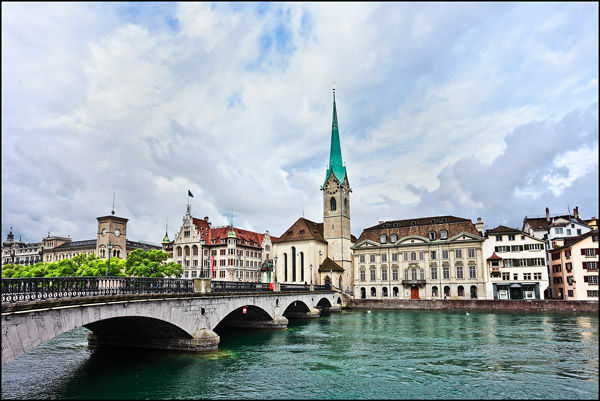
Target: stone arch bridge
[170, 321]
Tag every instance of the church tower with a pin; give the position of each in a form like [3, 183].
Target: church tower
[336, 210]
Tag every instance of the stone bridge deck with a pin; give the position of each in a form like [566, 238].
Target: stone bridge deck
[171, 321]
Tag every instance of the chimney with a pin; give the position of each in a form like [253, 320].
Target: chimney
[548, 215]
[576, 212]
[479, 225]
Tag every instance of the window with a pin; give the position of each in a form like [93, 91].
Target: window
[383, 257]
[395, 274]
[511, 237]
[506, 276]
[568, 231]
[413, 256]
[372, 258]
[362, 275]
[593, 293]
[413, 275]
[588, 252]
[515, 276]
[471, 252]
[472, 271]
[458, 253]
[332, 204]
[422, 274]
[394, 238]
[362, 258]
[432, 255]
[431, 235]
[558, 230]
[446, 273]
[461, 291]
[591, 279]
[421, 255]
[444, 234]
[383, 238]
[537, 276]
[590, 266]
[568, 254]
[434, 291]
[526, 276]
[498, 238]
[372, 271]
[459, 272]
[445, 255]
[405, 255]
[394, 257]
[434, 275]
[502, 248]
[406, 274]
[384, 274]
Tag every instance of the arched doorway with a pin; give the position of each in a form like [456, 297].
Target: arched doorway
[473, 291]
[363, 293]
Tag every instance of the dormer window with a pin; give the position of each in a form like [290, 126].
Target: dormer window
[394, 238]
[444, 234]
[395, 224]
[413, 223]
[431, 235]
[444, 220]
[383, 238]
[433, 221]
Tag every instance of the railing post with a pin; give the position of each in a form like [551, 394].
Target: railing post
[202, 285]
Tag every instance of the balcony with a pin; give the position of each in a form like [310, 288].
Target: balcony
[412, 283]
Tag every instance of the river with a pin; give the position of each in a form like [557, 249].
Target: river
[349, 355]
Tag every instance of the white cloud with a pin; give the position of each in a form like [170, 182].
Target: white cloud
[443, 108]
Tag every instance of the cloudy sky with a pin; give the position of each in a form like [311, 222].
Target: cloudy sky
[468, 109]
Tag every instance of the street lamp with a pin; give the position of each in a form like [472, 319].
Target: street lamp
[110, 247]
[275, 259]
[202, 242]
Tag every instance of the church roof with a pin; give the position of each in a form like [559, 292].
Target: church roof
[329, 265]
[302, 230]
[336, 164]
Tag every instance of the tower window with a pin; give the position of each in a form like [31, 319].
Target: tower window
[332, 204]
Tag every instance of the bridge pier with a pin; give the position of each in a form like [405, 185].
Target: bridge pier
[204, 340]
[278, 322]
[313, 312]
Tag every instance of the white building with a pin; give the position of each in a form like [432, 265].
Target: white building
[516, 264]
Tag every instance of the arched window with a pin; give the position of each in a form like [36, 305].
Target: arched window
[473, 291]
[293, 263]
[383, 238]
[179, 251]
[187, 250]
[394, 238]
[363, 292]
[285, 267]
[434, 291]
[384, 292]
[395, 291]
[447, 291]
[431, 235]
[332, 205]
[302, 266]
[195, 250]
[413, 274]
[373, 292]
[461, 291]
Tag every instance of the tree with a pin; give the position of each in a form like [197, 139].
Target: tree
[151, 263]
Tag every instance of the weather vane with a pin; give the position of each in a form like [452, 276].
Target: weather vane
[333, 83]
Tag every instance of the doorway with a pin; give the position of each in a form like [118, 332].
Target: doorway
[414, 293]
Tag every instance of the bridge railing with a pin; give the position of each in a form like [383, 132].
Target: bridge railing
[238, 286]
[42, 288]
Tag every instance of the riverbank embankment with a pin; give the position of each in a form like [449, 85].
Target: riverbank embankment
[470, 304]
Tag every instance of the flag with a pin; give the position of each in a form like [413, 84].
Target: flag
[190, 193]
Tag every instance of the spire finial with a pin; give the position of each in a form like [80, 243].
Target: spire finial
[333, 83]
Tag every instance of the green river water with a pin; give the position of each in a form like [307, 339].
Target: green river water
[348, 355]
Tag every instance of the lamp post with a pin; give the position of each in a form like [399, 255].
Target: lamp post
[239, 263]
[110, 247]
[311, 274]
[275, 267]
[202, 242]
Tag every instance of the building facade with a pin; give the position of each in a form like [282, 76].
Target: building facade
[111, 235]
[574, 265]
[321, 253]
[224, 253]
[424, 258]
[516, 263]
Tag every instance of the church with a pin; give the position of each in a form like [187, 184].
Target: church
[320, 253]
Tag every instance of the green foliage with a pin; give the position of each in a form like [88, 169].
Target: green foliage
[139, 263]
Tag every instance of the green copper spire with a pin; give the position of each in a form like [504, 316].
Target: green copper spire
[335, 154]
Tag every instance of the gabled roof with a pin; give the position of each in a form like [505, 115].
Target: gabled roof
[219, 233]
[504, 230]
[303, 230]
[329, 265]
[570, 241]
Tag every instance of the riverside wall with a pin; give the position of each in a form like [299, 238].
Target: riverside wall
[454, 304]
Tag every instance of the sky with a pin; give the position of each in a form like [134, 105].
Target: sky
[466, 109]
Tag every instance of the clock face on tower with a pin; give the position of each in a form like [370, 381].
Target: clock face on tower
[331, 187]
[117, 232]
[103, 231]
